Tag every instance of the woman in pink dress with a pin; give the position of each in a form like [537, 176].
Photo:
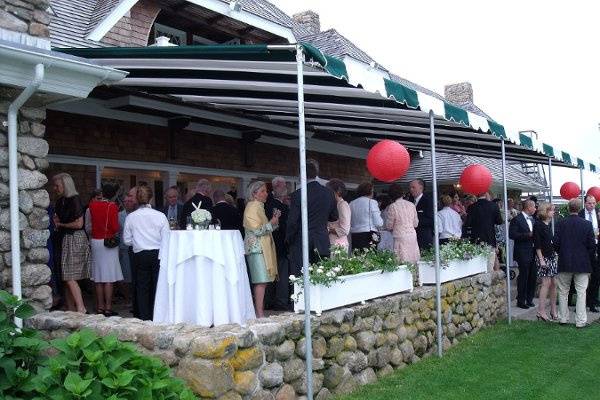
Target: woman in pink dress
[402, 220]
[339, 230]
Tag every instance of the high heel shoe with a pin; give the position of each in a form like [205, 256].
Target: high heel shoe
[541, 318]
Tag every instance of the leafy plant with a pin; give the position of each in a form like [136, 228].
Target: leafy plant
[82, 366]
[91, 367]
[456, 249]
[20, 348]
[330, 270]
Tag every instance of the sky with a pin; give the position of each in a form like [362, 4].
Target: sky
[534, 65]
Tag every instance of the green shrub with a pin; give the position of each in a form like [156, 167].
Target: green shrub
[82, 366]
[20, 349]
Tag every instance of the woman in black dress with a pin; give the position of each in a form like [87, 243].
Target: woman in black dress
[545, 258]
[75, 248]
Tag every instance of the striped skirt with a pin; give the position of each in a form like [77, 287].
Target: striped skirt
[75, 257]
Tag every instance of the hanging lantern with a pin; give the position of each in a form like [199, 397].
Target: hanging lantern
[594, 191]
[476, 179]
[569, 190]
[388, 161]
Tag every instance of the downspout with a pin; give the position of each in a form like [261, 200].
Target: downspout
[15, 246]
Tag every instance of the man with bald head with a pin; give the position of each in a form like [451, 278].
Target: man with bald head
[521, 231]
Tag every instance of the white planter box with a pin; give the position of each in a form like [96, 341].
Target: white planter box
[456, 269]
[355, 289]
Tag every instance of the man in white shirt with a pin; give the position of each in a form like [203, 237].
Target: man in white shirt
[145, 229]
[449, 221]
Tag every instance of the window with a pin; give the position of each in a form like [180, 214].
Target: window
[176, 36]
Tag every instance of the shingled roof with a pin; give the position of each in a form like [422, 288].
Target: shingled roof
[75, 19]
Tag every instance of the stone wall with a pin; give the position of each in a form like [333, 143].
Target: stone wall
[25, 16]
[265, 360]
[33, 202]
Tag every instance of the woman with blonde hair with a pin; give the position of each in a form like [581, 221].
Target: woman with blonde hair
[258, 242]
[75, 248]
[545, 259]
[339, 230]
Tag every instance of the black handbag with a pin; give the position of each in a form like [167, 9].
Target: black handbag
[114, 241]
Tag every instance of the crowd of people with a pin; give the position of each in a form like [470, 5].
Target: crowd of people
[112, 244]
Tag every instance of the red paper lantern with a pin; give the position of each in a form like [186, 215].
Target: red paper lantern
[388, 161]
[569, 190]
[594, 191]
[476, 179]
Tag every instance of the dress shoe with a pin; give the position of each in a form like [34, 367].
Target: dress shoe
[523, 306]
[594, 309]
[530, 304]
[582, 326]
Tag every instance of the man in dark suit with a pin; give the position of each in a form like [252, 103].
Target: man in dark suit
[424, 204]
[173, 208]
[590, 214]
[322, 208]
[202, 197]
[576, 247]
[227, 215]
[521, 231]
[481, 221]
[280, 290]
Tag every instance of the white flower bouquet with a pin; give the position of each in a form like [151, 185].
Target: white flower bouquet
[201, 217]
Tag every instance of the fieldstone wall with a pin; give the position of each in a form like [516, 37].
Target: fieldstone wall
[266, 360]
[33, 202]
[26, 16]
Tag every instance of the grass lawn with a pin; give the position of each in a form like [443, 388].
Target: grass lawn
[526, 360]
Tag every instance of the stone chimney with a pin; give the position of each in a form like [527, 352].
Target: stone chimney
[459, 93]
[309, 21]
[25, 22]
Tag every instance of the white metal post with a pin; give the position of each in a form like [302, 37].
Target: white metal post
[550, 187]
[506, 238]
[304, 212]
[436, 235]
[581, 182]
[13, 184]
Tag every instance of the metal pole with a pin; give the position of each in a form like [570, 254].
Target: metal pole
[304, 212]
[506, 238]
[550, 184]
[13, 169]
[436, 241]
[581, 181]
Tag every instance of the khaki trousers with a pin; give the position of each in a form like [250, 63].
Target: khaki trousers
[563, 281]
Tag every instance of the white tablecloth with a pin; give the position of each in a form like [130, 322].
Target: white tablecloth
[203, 279]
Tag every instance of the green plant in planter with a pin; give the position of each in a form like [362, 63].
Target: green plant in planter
[20, 349]
[328, 271]
[456, 249]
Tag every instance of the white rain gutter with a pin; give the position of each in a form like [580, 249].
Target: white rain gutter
[15, 246]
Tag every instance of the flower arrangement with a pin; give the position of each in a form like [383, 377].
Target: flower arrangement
[200, 216]
[328, 271]
[457, 249]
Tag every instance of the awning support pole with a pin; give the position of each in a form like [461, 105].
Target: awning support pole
[13, 184]
[506, 238]
[304, 212]
[581, 181]
[550, 187]
[436, 237]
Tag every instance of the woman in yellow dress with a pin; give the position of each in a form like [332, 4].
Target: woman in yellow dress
[258, 243]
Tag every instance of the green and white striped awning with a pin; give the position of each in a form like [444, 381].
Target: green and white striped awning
[342, 101]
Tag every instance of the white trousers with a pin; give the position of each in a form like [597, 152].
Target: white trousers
[563, 281]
